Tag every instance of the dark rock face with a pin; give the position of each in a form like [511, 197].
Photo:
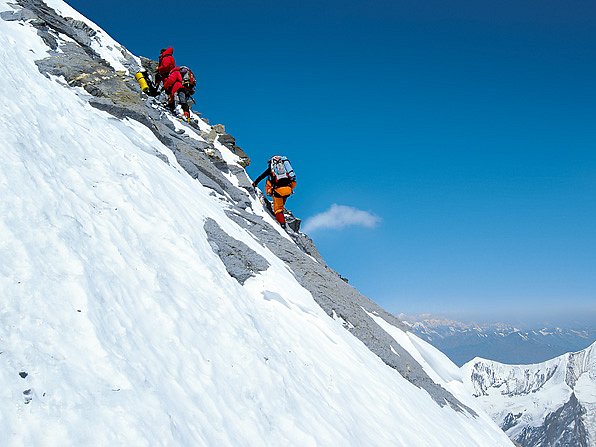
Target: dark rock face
[510, 420]
[241, 262]
[49, 24]
[485, 377]
[118, 95]
[19, 15]
[96, 76]
[562, 428]
[230, 142]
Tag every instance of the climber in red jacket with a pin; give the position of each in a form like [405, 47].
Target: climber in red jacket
[174, 87]
[166, 65]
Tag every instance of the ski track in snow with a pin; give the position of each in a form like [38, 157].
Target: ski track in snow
[128, 325]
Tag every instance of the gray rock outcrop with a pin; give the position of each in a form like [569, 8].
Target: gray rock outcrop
[240, 261]
[562, 428]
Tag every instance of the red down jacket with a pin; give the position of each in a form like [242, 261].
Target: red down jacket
[166, 62]
[173, 82]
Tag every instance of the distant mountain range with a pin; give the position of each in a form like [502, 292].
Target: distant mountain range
[504, 343]
[552, 403]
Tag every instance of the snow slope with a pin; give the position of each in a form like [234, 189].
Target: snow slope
[550, 403]
[120, 323]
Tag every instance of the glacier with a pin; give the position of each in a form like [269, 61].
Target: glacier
[147, 297]
[552, 403]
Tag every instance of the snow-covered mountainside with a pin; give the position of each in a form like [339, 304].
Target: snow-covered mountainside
[547, 404]
[505, 343]
[149, 299]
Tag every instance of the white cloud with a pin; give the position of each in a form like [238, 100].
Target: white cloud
[340, 216]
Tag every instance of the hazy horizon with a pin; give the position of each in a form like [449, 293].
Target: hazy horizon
[585, 320]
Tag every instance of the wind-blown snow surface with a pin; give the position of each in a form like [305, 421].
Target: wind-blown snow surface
[119, 323]
[549, 403]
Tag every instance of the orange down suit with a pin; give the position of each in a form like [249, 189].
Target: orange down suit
[280, 192]
[280, 195]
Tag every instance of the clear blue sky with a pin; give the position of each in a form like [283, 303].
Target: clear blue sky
[483, 112]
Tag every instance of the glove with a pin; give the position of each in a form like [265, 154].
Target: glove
[254, 184]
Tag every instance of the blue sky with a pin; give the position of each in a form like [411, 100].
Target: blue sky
[468, 128]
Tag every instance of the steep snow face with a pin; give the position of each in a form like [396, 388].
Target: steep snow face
[541, 404]
[126, 317]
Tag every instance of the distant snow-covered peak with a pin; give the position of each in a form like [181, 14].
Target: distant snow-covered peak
[551, 401]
